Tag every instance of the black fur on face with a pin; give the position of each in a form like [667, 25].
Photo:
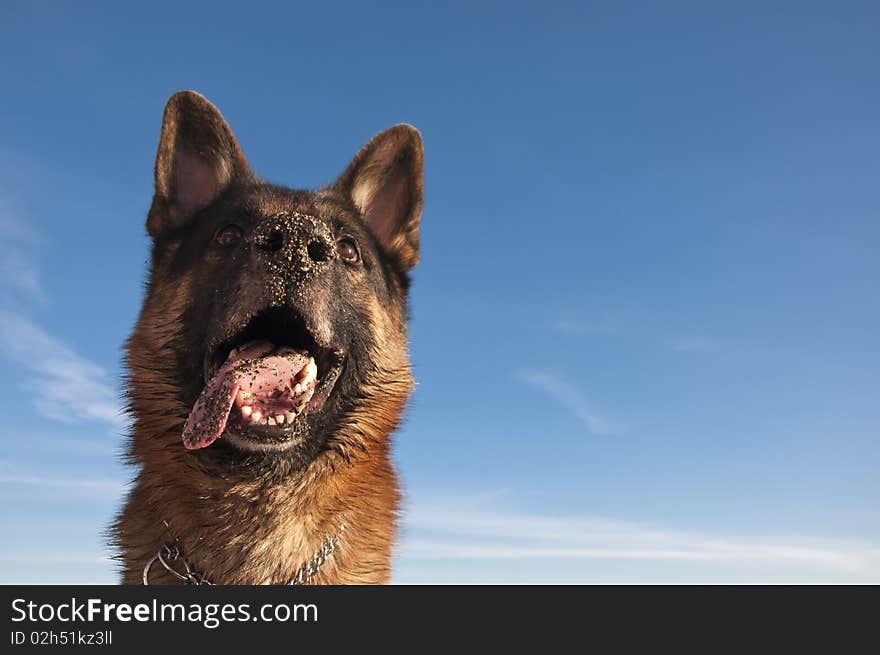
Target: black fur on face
[247, 289]
[323, 271]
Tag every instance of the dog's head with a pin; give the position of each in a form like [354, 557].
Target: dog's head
[274, 324]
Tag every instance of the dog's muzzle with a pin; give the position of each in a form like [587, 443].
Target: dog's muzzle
[293, 246]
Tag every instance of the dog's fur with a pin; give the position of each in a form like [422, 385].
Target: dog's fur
[250, 517]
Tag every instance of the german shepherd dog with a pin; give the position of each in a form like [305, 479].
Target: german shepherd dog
[268, 366]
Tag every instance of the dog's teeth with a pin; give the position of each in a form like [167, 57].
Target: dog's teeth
[310, 370]
[256, 416]
[289, 416]
[279, 419]
[303, 400]
[241, 398]
[271, 420]
[246, 410]
[265, 421]
[297, 389]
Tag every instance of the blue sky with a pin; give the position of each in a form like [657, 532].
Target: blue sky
[645, 322]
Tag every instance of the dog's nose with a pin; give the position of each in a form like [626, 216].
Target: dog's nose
[270, 240]
[296, 240]
[320, 250]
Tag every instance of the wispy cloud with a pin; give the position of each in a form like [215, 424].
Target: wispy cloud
[61, 384]
[457, 529]
[59, 441]
[582, 328]
[30, 557]
[51, 482]
[19, 276]
[694, 344]
[680, 342]
[13, 474]
[571, 398]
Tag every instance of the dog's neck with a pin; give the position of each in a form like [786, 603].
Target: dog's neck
[170, 560]
[250, 533]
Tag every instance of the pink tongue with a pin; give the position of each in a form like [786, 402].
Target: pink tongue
[257, 368]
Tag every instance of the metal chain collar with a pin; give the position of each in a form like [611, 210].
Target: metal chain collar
[167, 555]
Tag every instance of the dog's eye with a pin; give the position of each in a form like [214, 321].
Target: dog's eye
[347, 250]
[228, 235]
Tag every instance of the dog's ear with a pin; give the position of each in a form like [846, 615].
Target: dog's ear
[384, 181]
[198, 159]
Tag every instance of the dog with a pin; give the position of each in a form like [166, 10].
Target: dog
[268, 367]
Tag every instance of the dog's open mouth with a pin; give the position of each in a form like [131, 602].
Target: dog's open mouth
[261, 382]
